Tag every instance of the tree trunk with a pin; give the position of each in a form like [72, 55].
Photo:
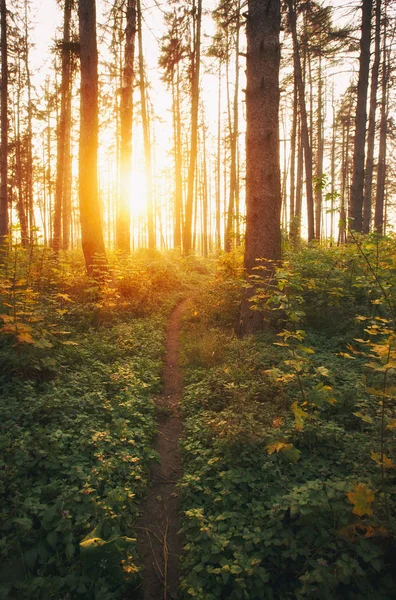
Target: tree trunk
[195, 70]
[304, 121]
[146, 134]
[123, 226]
[64, 119]
[218, 165]
[90, 210]
[4, 124]
[263, 188]
[29, 146]
[368, 181]
[356, 215]
[319, 156]
[293, 139]
[381, 173]
[234, 183]
[178, 159]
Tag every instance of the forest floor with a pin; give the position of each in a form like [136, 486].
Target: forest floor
[159, 539]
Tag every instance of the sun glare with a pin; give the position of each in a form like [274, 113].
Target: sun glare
[138, 192]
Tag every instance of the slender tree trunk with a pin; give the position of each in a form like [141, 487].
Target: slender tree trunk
[146, 134]
[90, 210]
[304, 121]
[233, 192]
[263, 187]
[299, 183]
[21, 204]
[332, 167]
[64, 117]
[218, 165]
[123, 226]
[368, 181]
[356, 215]
[381, 173]
[195, 70]
[4, 125]
[178, 160]
[29, 148]
[319, 157]
[293, 139]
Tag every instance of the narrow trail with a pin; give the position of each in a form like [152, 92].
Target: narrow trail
[159, 543]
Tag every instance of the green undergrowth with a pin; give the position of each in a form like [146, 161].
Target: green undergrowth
[289, 453]
[79, 364]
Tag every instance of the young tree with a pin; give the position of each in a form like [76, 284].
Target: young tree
[356, 216]
[263, 189]
[90, 213]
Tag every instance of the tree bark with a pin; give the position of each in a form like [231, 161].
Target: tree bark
[4, 124]
[146, 134]
[90, 210]
[368, 181]
[62, 133]
[195, 70]
[381, 173]
[123, 226]
[263, 188]
[304, 121]
[356, 214]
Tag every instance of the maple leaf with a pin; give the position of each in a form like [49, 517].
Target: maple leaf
[25, 337]
[299, 415]
[362, 499]
[277, 446]
[386, 461]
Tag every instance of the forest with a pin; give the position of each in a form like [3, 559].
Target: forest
[197, 300]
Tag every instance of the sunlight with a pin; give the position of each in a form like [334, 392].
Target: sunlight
[138, 192]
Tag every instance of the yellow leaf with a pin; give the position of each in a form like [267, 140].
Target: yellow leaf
[25, 338]
[277, 422]
[277, 446]
[299, 415]
[362, 499]
[391, 425]
[365, 418]
[65, 297]
[386, 461]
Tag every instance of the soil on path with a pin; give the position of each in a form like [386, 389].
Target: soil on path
[159, 541]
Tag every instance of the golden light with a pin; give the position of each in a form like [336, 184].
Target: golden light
[138, 192]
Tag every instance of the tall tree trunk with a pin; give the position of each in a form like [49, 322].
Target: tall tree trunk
[304, 121]
[146, 134]
[4, 124]
[319, 156]
[21, 204]
[64, 118]
[195, 70]
[177, 240]
[293, 139]
[234, 183]
[218, 164]
[29, 148]
[123, 225]
[368, 181]
[263, 188]
[90, 210]
[381, 173]
[356, 215]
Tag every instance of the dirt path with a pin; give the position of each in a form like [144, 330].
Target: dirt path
[159, 543]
